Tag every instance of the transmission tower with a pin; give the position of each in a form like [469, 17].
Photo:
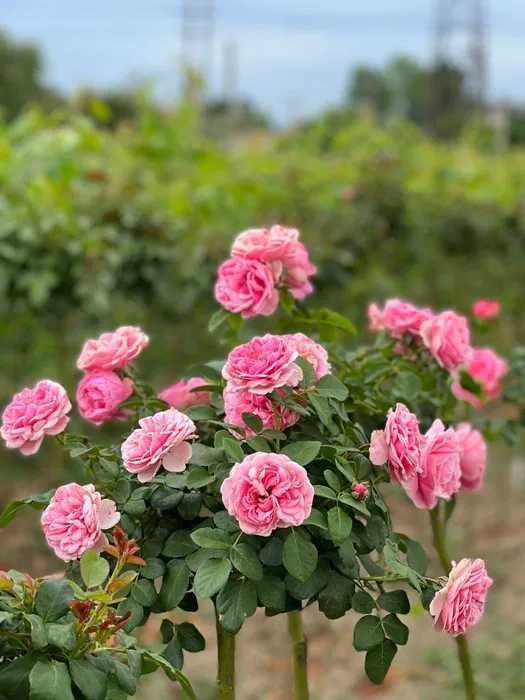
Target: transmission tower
[197, 23]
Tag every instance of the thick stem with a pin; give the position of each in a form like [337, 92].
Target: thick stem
[299, 655]
[225, 662]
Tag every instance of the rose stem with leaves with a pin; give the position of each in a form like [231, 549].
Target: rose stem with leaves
[440, 544]
[225, 662]
[299, 655]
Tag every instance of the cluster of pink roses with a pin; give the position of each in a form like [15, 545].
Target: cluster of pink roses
[262, 261]
[447, 337]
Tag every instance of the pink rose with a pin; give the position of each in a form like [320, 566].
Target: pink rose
[375, 318]
[74, 520]
[181, 395]
[440, 473]
[472, 456]
[267, 491]
[460, 604]
[274, 416]
[112, 350]
[247, 287]
[297, 271]
[447, 336]
[399, 444]
[99, 395]
[486, 309]
[33, 413]
[312, 352]
[487, 368]
[161, 440]
[398, 317]
[262, 365]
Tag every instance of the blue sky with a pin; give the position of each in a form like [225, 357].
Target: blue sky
[294, 55]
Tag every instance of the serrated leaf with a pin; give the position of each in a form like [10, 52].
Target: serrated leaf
[52, 600]
[199, 477]
[368, 632]
[144, 593]
[93, 569]
[324, 492]
[271, 591]
[395, 629]
[245, 560]
[362, 602]
[299, 556]
[174, 585]
[235, 602]
[211, 538]
[38, 631]
[302, 452]
[50, 680]
[88, 678]
[233, 449]
[252, 421]
[339, 524]
[211, 576]
[379, 659]
[394, 602]
[331, 387]
[61, 635]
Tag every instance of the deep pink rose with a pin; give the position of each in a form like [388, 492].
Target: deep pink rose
[274, 416]
[112, 350]
[398, 317]
[486, 309]
[360, 491]
[262, 365]
[74, 520]
[247, 287]
[460, 604]
[181, 395]
[33, 413]
[440, 473]
[472, 456]
[447, 336]
[160, 441]
[99, 395]
[487, 368]
[267, 491]
[399, 444]
[312, 352]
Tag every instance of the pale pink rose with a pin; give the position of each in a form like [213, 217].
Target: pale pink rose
[472, 456]
[267, 491]
[160, 441]
[440, 473]
[247, 287]
[181, 395]
[297, 271]
[112, 350]
[487, 368]
[398, 317]
[399, 444]
[447, 336]
[486, 309]
[74, 520]
[460, 604]
[274, 416]
[312, 352]
[268, 244]
[262, 365]
[375, 318]
[360, 491]
[34, 413]
[99, 395]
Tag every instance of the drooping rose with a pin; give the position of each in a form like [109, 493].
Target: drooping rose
[472, 456]
[112, 350]
[247, 287]
[312, 352]
[447, 336]
[398, 317]
[486, 309]
[74, 520]
[262, 365]
[267, 491]
[99, 395]
[34, 413]
[274, 416]
[399, 444]
[460, 604]
[160, 441]
[487, 368]
[182, 394]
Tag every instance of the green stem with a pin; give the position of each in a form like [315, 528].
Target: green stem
[225, 662]
[440, 545]
[299, 655]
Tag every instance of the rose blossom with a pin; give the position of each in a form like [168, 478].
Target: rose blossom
[312, 352]
[297, 270]
[460, 604]
[247, 287]
[74, 520]
[161, 440]
[181, 396]
[274, 416]
[262, 365]
[112, 350]
[440, 474]
[472, 456]
[487, 368]
[267, 491]
[486, 309]
[99, 395]
[398, 317]
[360, 491]
[33, 413]
[399, 444]
[447, 336]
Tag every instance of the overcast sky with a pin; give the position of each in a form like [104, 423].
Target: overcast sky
[293, 55]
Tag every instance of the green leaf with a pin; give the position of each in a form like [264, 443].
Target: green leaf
[252, 421]
[416, 556]
[336, 597]
[233, 449]
[339, 524]
[91, 682]
[316, 519]
[325, 492]
[125, 677]
[93, 569]
[272, 552]
[259, 444]
[50, 680]
[154, 568]
[38, 502]
[272, 592]
[332, 319]
[225, 522]
[174, 585]
[349, 500]
[332, 388]
[152, 661]
[376, 532]
[235, 602]
[179, 544]
[144, 593]
[302, 452]
[200, 413]
[379, 659]
[199, 477]
[211, 538]
[309, 376]
[217, 320]
[204, 456]
[136, 616]
[333, 481]
[324, 411]
[190, 637]
[299, 556]
[362, 602]
[245, 560]
[14, 677]
[368, 632]
[61, 635]
[52, 600]
[395, 629]
[211, 576]
[394, 602]
[38, 631]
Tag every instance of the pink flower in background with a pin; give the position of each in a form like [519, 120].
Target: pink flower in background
[262, 365]
[398, 317]
[375, 318]
[247, 287]
[360, 491]
[440, 473]
[447, 336]
[312, 352]
[112, 350]
[99, 395]
[472, 456]
[274, 416]
[34, 413]
[74, 520]
[460, 604]
[487, 368]
[267, 491]
[297, 271]
[399, 444]
[160, 441]
[181, 395]
[486, 309]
